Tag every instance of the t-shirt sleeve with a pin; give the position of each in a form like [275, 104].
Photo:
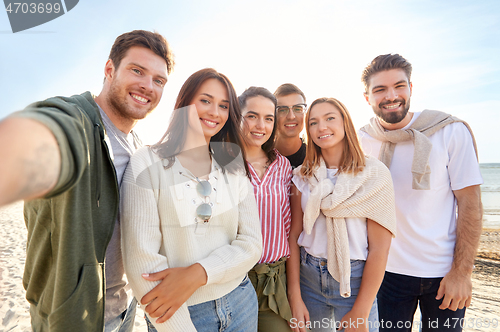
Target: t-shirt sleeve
[463, 166]
[299, 181]
[67, 122]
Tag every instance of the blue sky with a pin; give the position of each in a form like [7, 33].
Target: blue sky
[321, 46]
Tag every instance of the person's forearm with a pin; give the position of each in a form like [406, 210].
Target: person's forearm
[198, 274]
[293, 270]
[293, 263]
[379, 242]
[373, 274]
[469, 228]
[456, 287]
[30, 160]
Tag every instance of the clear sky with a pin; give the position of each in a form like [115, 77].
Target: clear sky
[321, 46]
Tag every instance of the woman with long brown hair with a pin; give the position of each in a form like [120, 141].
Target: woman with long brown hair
[270, 175]
[190, 219]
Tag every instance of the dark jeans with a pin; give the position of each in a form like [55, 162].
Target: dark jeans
[398, 298]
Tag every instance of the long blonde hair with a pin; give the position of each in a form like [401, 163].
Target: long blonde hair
[353, 158]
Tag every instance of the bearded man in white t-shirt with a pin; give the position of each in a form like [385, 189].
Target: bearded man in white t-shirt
[433, 161]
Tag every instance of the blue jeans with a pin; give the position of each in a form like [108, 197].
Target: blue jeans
[124, 322]
[321, 293]
[234, 312]
[398, 298]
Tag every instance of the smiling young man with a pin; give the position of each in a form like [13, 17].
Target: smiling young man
[434, 166]
[66, 158]
[290, 122]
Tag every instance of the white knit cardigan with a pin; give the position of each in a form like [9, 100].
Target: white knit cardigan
[158, 230]
[369, 194]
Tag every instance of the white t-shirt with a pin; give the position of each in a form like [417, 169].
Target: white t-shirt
[316, 243]
[426, 219]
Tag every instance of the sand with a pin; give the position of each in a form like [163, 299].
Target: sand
[14, 309]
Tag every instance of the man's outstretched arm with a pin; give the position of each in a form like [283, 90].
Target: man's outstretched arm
[30, 160]
[456, 286]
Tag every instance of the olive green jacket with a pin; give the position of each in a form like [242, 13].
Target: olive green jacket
[70, 228]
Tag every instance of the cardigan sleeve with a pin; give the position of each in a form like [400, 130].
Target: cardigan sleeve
[141, 235]
[244, 251]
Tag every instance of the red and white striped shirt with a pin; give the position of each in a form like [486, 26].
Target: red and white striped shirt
[272, 195]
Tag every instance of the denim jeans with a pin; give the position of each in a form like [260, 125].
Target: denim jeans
[321, 293]
[398, 298]
[234, 312]
[124, 322]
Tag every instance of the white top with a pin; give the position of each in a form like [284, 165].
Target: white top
[160, 229]
[426, 219]
[316, 243]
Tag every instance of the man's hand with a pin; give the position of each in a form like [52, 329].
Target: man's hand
[176, 287]
[456, 288]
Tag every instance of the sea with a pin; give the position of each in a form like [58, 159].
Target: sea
[490, 195]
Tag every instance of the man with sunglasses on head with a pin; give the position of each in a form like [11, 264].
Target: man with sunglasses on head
[290, 112]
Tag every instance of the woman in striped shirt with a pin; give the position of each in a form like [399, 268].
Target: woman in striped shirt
[271, 176]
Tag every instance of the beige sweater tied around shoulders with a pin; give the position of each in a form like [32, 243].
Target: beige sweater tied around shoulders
[369, 194]
[428, 123]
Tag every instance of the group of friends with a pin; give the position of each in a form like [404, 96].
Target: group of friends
[233, 221]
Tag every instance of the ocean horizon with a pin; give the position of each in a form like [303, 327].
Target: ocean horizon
[490, 194]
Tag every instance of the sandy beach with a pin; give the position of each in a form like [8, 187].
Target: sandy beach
[483, 315]
[14, 308]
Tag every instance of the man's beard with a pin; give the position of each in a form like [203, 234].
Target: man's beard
[392, 117]
[116, 101]
[121, 107]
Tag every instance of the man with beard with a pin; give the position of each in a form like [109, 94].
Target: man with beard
[434, 167]
[65, 157]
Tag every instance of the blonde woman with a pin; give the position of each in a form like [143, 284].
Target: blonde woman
[343, 218]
